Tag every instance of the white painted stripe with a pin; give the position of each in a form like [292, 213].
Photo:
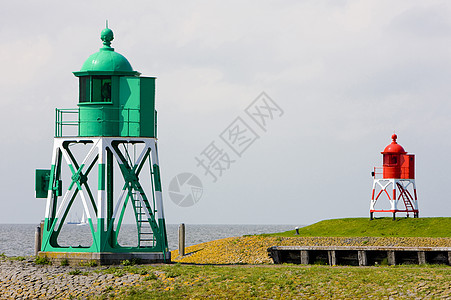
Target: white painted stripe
[158, 194]
[160, 210]
[119, 203]
[63, 205]
[101, 204]
[91, 152]
[85, 204]
[101, 194]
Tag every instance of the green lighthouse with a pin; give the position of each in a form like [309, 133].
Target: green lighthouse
[108, 143]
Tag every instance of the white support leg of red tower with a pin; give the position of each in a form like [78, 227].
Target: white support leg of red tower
[394, 190]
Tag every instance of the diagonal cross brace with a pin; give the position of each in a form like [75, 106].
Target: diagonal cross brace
[79, 178]
[131, 178]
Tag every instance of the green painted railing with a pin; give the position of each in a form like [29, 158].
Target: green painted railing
[60, 121]
[121, 123]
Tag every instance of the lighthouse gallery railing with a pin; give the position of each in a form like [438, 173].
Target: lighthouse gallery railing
[378, 172]
[70, 118]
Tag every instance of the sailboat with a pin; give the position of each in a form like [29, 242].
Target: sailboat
[83, 221]
[79, 222]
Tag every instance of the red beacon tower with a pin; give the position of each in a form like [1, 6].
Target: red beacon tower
[397, 182]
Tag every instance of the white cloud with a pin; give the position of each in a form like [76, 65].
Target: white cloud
[23, 60]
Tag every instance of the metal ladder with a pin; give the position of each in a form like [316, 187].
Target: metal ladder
[406, 198]
[145, 233]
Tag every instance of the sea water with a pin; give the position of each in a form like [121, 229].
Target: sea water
[18, 239]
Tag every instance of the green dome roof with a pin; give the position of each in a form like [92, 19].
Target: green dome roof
[106, 61]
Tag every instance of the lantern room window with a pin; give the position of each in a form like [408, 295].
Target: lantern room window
[394, 160]
[390, 159]
[83, 87]
[101, 89]
[94, 89]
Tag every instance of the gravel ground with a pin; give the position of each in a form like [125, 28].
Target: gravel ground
[26, 280]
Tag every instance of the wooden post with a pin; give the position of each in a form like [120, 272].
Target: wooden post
[182, 239]
[42, 229]
[421, 257]
[391, 257]
[304, 257]
[37, 240]
[363, 260]
[332, 257]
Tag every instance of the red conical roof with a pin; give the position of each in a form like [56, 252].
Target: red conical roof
[394, 147]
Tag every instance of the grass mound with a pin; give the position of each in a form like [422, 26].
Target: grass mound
[381, 227]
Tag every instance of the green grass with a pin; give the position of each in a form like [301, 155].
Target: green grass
[381, 227]
[288, 282]
[19, 258]
[75, 272]
[42, 260]
[90, 263]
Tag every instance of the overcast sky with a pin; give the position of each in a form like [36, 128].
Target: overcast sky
[346, 75]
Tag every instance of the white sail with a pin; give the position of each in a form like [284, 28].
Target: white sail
[83, 221]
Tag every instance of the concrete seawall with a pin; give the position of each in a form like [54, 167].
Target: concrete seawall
[359, 256]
